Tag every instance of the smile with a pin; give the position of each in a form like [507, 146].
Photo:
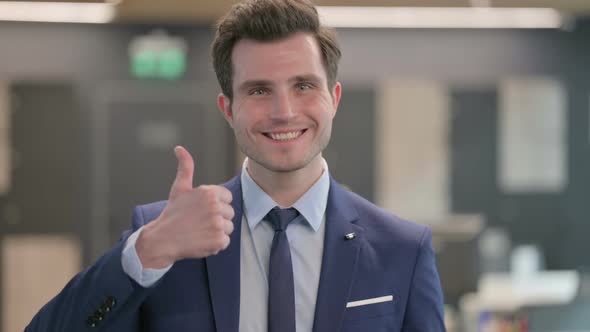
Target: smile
[285, 136]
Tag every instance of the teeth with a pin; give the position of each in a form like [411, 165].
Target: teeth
[285, 136]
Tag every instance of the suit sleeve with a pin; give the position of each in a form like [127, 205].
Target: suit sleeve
[424, 311]
[100, 298]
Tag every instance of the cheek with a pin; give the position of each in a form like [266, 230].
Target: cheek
[322, 108]
[244, 123]
[250, 111]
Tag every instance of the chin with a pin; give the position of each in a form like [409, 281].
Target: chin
[284, 167]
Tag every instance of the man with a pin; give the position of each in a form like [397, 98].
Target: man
[282, 247]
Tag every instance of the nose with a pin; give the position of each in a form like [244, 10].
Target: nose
[283, 108]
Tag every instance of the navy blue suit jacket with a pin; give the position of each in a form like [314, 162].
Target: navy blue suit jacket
[389, 256]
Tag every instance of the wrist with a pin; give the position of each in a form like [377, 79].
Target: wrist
[152, 251]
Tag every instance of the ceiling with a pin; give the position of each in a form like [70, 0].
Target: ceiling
[208, 11]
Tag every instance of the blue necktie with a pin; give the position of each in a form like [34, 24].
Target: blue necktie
[281, 293]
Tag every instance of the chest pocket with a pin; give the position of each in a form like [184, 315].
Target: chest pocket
[374, 317]
[384, 307]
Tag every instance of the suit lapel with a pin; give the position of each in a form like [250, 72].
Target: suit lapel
[223, 270]
[339, 260]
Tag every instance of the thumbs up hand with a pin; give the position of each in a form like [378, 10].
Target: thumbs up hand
[195, 223]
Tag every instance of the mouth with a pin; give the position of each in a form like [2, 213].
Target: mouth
[284, 136]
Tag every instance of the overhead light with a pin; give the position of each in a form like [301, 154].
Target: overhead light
[447, 17]
[66, 12]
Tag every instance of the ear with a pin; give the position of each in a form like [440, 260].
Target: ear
[224, 105]
[336, 94]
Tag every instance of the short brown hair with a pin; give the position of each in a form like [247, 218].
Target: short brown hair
[268, 20]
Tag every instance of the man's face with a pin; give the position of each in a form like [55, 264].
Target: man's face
[282, 109]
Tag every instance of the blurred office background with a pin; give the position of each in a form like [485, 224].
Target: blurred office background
[480, 131]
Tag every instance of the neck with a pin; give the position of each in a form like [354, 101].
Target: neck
[286, 188]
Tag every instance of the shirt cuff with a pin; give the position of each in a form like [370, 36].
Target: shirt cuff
[132, 265]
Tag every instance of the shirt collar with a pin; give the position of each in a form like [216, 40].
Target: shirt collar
[312, 205]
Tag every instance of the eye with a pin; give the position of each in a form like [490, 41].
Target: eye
[258, 91]
[303, 86]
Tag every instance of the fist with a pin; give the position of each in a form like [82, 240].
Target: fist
[196, 222]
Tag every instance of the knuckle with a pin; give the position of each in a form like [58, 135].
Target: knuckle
[229, 195]
[230, 212]
[218, 242]
[210, 194]
[218, 224]
[215, 208]
[225, 242]
[207, 192]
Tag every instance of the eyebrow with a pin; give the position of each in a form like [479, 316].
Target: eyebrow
[253, 83]
[305, 78]
[258, 83]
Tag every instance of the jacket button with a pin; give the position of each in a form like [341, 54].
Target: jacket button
[110, 302]
[104, 308]
[91, 322]
[98, 316]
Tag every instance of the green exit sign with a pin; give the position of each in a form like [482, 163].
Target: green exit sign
[158, 56]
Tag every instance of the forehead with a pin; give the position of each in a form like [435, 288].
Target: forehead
[294, 55]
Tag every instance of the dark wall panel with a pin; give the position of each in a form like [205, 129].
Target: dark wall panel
[351, 152]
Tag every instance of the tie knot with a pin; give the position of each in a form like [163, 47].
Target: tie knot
[280, 218]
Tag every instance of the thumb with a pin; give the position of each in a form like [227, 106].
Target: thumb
[184, 175]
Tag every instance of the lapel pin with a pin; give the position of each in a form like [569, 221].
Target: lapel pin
[350, 236]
